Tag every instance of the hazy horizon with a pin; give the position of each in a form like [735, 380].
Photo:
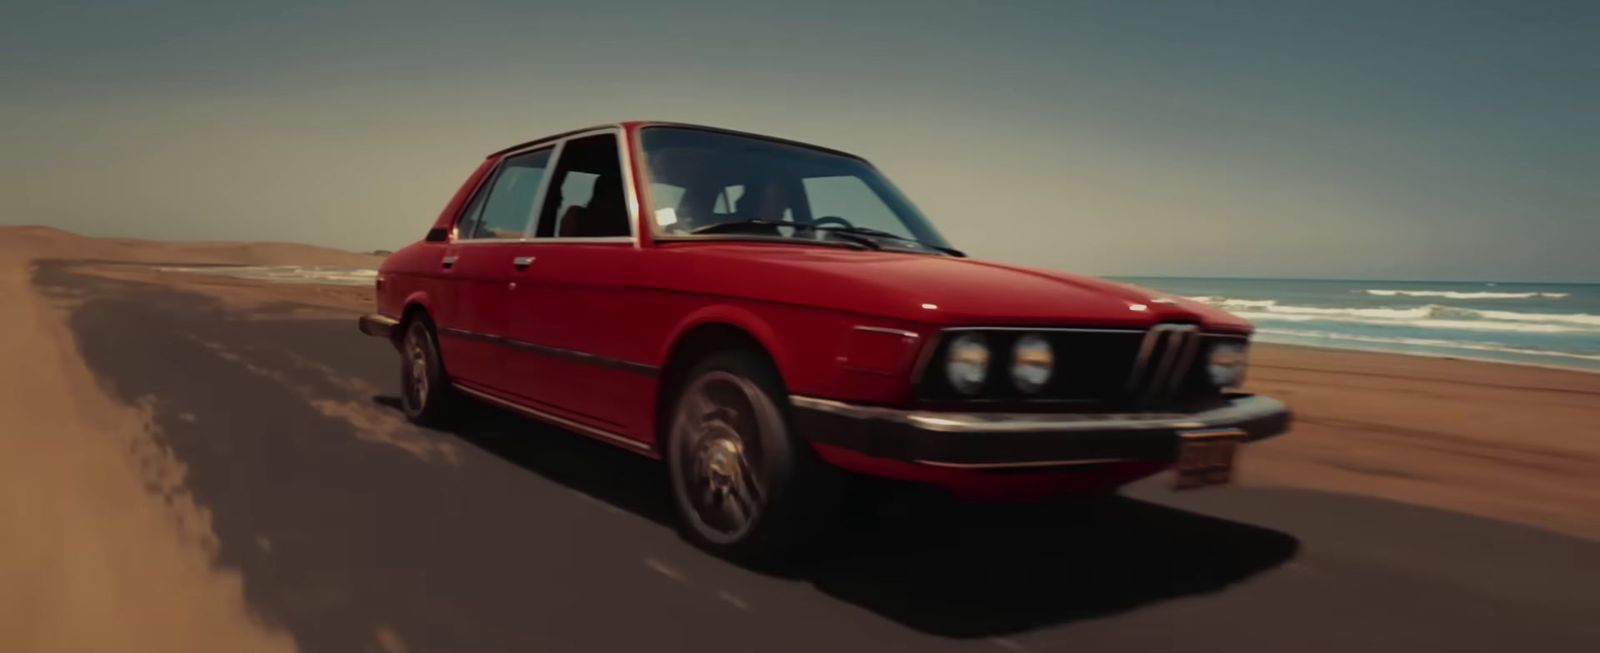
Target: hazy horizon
[1375, 141]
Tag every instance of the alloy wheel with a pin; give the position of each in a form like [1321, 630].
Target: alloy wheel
[716, 435]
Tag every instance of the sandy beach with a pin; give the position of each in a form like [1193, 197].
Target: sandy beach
[103, 547]
[111, 536]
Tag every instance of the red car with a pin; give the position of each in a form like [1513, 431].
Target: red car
[769, 317]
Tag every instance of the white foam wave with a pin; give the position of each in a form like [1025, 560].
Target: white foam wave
[1434, 316]
[1427, 342]
[1233, 302]
[1456, 294]
[288, 273]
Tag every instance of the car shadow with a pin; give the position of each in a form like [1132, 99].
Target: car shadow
[936, 565]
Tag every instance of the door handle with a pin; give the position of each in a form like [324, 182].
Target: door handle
[447, 261]
[522, 262]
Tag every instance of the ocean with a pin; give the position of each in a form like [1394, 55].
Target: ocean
[1532, 323]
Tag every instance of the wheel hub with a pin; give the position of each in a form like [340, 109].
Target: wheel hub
[719, 458]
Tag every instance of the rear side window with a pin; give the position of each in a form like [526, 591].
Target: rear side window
[506, 205]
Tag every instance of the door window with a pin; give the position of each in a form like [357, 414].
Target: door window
[586, 198]
[505, 207]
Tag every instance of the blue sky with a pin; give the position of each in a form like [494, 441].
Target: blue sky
[1449, 140]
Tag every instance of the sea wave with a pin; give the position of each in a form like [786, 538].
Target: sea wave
[1456, 294]
[1434, 316]
[1238, 303]
[288, 273]
[1427, 342]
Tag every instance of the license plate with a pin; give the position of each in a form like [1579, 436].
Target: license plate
[1206, 457]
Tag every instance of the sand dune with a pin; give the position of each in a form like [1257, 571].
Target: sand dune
[49, 242]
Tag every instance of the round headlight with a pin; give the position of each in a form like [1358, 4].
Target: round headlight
[1032, 361]
[1225, 364]
[967, 363]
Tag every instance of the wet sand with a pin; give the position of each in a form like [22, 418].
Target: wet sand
[191, 462]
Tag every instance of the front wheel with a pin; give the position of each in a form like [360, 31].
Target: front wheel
[744, 488]
[425, 393]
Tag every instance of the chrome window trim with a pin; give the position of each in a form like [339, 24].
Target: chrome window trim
[557, 145]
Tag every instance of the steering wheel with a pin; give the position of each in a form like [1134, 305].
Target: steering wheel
[832, 219]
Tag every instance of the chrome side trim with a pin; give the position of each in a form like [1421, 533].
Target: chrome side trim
[1022, 465]
[580, 427]
[1238, 410]
[558, 352]
[909, 335]
[1047, 329]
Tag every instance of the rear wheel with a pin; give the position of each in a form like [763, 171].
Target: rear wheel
[744, 488]
[425, 393]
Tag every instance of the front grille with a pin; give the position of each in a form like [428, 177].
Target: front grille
[1165, 358]
[1106, 367]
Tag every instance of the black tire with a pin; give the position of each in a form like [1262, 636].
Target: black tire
[729, 426]
[425, 393]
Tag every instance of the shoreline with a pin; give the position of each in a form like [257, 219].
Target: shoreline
[1255, 341]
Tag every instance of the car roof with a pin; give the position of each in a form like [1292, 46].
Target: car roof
[662, 123]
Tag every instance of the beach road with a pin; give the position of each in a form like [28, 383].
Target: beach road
[334, 525]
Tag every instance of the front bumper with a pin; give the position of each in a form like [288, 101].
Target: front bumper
[378, 325]
[1023, 440]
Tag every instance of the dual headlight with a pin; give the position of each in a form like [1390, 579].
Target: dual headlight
[967, 363]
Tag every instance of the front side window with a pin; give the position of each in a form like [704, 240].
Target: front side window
[705, 182]
[586, 198]
[504, 208]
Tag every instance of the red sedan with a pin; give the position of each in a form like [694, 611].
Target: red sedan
[768, 317]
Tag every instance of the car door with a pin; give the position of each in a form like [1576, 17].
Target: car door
[583, 358]
[482, 263]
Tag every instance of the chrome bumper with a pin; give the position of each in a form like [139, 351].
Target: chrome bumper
[1027, 439]
[378, 325]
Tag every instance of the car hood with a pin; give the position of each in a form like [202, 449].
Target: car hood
[937, 290]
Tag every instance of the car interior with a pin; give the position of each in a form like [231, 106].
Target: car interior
[598, 211]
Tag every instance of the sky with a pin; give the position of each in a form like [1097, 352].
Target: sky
[1395, 140]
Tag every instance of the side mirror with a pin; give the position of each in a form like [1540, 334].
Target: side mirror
[437, 235]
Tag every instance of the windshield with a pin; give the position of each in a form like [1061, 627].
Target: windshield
[703, 182]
